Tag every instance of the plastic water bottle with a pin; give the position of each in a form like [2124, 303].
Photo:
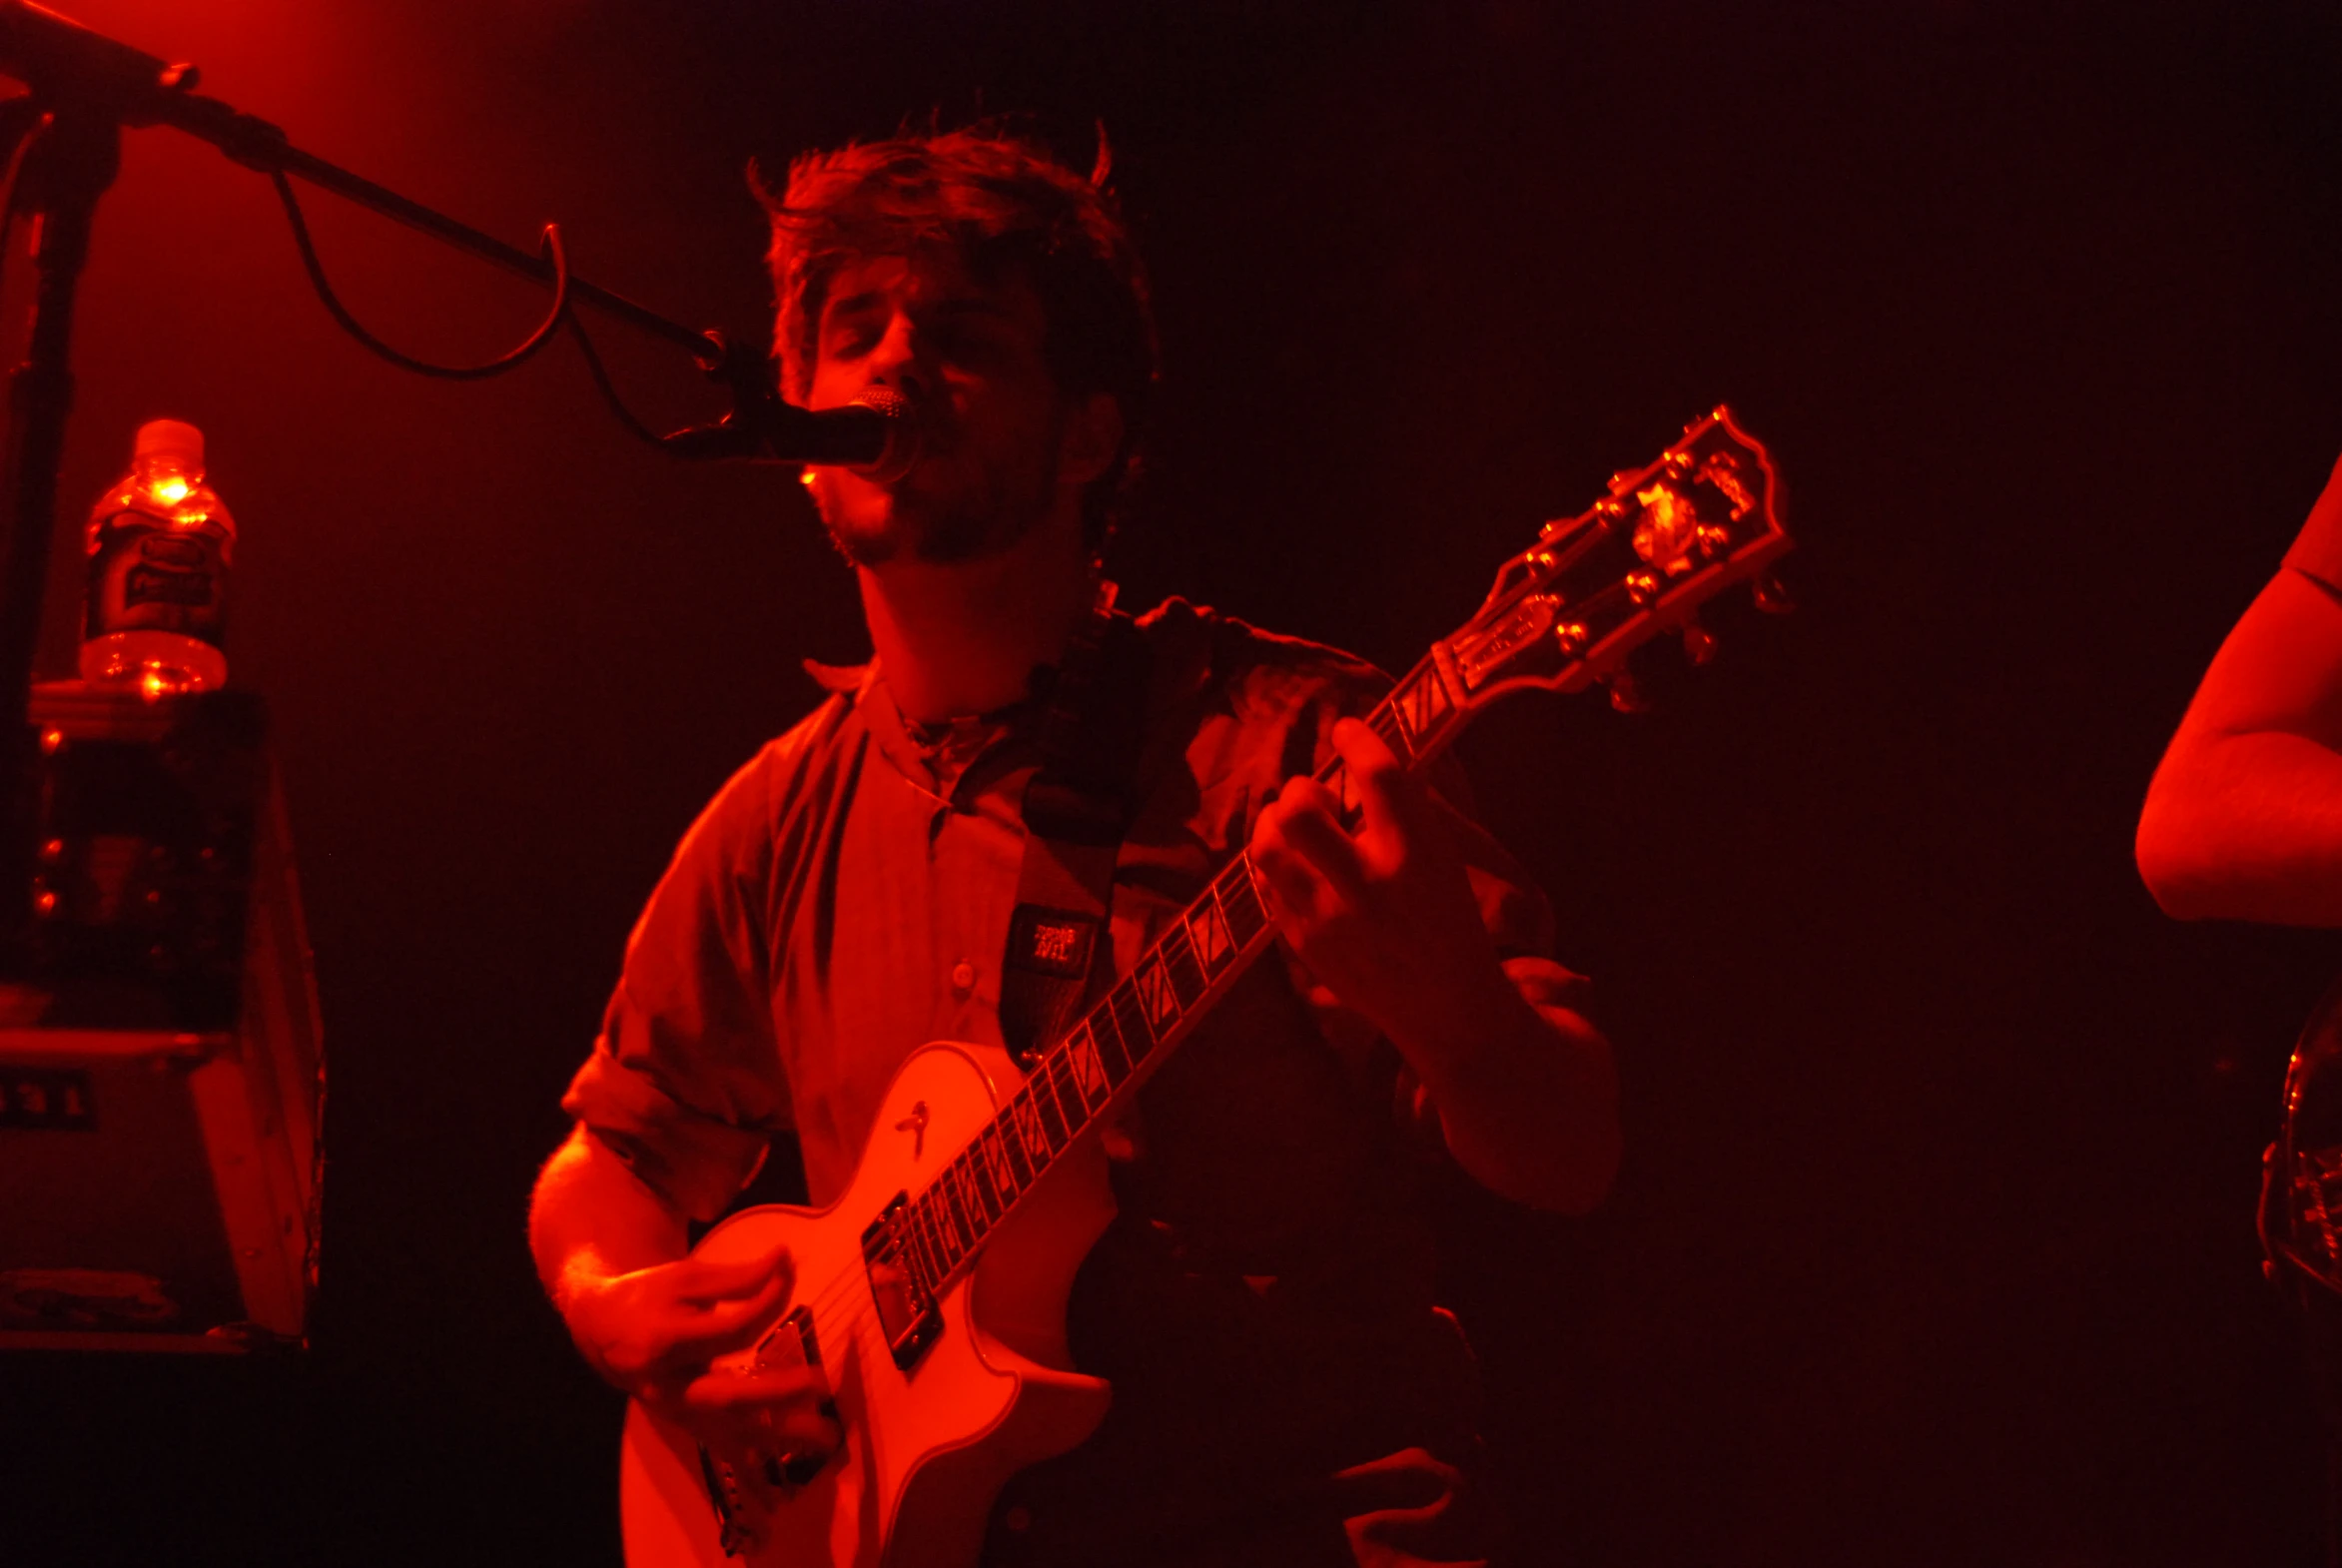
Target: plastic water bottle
[159, 546]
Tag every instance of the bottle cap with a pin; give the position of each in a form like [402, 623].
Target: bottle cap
[170, 438]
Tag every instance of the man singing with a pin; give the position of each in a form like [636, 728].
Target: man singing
[1284, 1390]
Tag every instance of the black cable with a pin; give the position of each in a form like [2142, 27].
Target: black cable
[559, 313]
[455, 373]
[609, 392]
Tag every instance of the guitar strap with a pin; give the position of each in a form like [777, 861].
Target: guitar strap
[1077, 807]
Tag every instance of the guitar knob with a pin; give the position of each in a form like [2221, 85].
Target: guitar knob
[1771, 596]
[1626, 695]
[1698, 645]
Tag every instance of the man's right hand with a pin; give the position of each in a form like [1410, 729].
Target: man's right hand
[654, 1331]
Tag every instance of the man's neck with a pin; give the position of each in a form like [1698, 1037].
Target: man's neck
[966, 638]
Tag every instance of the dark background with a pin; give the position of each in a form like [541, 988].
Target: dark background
[1933, 1240]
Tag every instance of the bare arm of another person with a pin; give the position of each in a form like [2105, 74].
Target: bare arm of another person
[2244, 818]
[612, 1253]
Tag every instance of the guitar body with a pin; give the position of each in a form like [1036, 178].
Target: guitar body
[927, 1449]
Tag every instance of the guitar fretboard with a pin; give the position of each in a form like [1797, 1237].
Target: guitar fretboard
[1149, 1010]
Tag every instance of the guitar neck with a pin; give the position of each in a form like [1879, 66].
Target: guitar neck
[1127, 1035]
[1561, 616]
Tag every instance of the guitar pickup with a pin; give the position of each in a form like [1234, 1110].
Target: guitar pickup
[907, 1313]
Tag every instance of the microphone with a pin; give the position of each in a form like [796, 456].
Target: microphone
[875, 435]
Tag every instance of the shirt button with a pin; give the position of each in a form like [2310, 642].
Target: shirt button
[962, 976]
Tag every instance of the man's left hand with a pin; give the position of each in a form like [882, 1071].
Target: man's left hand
[1385, 918]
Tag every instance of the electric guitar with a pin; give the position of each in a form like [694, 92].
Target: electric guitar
[931, 1294]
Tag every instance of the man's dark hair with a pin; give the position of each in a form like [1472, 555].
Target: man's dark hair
[1003, 204]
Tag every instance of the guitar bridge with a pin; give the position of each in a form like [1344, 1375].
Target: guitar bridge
[899, 1286]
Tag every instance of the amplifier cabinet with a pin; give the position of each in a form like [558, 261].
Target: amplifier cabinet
[159, 1153]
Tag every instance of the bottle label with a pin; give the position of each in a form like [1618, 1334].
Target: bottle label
[144, 576]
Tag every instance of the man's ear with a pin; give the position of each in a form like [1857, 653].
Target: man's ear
[1091, 438]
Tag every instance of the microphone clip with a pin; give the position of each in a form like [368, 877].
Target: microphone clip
[747, 432]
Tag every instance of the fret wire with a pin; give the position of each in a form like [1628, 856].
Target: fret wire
[1011, 1146]
[988, 1204]
[1240, 902]
[1048, 1079]
[1204, 926]
[939, 1243]
[951, 1224]
[1130, 1019]
[1387, 722]
[1151, 984]
[1045, 1108]
[976, 1185]
[1071, 1112]
[1003, 1164]
[1069, 1091]
[1184, 964]
[997, 1197]
[1033, 1127]
[1111, 1046]
[955, 1210]
[962, 1232]
[1075, 1057]
[1083, 1036]
[939, 1237]
[923, 1246]
[1224, 887]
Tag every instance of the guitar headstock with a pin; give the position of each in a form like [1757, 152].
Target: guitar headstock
[1566, 612]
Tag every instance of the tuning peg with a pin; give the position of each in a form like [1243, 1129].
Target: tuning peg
[1626, 695]
[1771, 596]
[1698, 645]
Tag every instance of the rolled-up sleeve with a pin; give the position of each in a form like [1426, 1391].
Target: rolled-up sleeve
[685, 1081]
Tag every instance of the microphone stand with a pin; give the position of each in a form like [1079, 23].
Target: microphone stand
[66, 136]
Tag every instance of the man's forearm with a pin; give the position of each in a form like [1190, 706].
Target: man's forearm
[592, 1218]
[2245, 827]
[1527, 1097]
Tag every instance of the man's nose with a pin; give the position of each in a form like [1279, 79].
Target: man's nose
[904, 358]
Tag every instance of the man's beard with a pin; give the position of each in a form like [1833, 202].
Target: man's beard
[989, 517]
